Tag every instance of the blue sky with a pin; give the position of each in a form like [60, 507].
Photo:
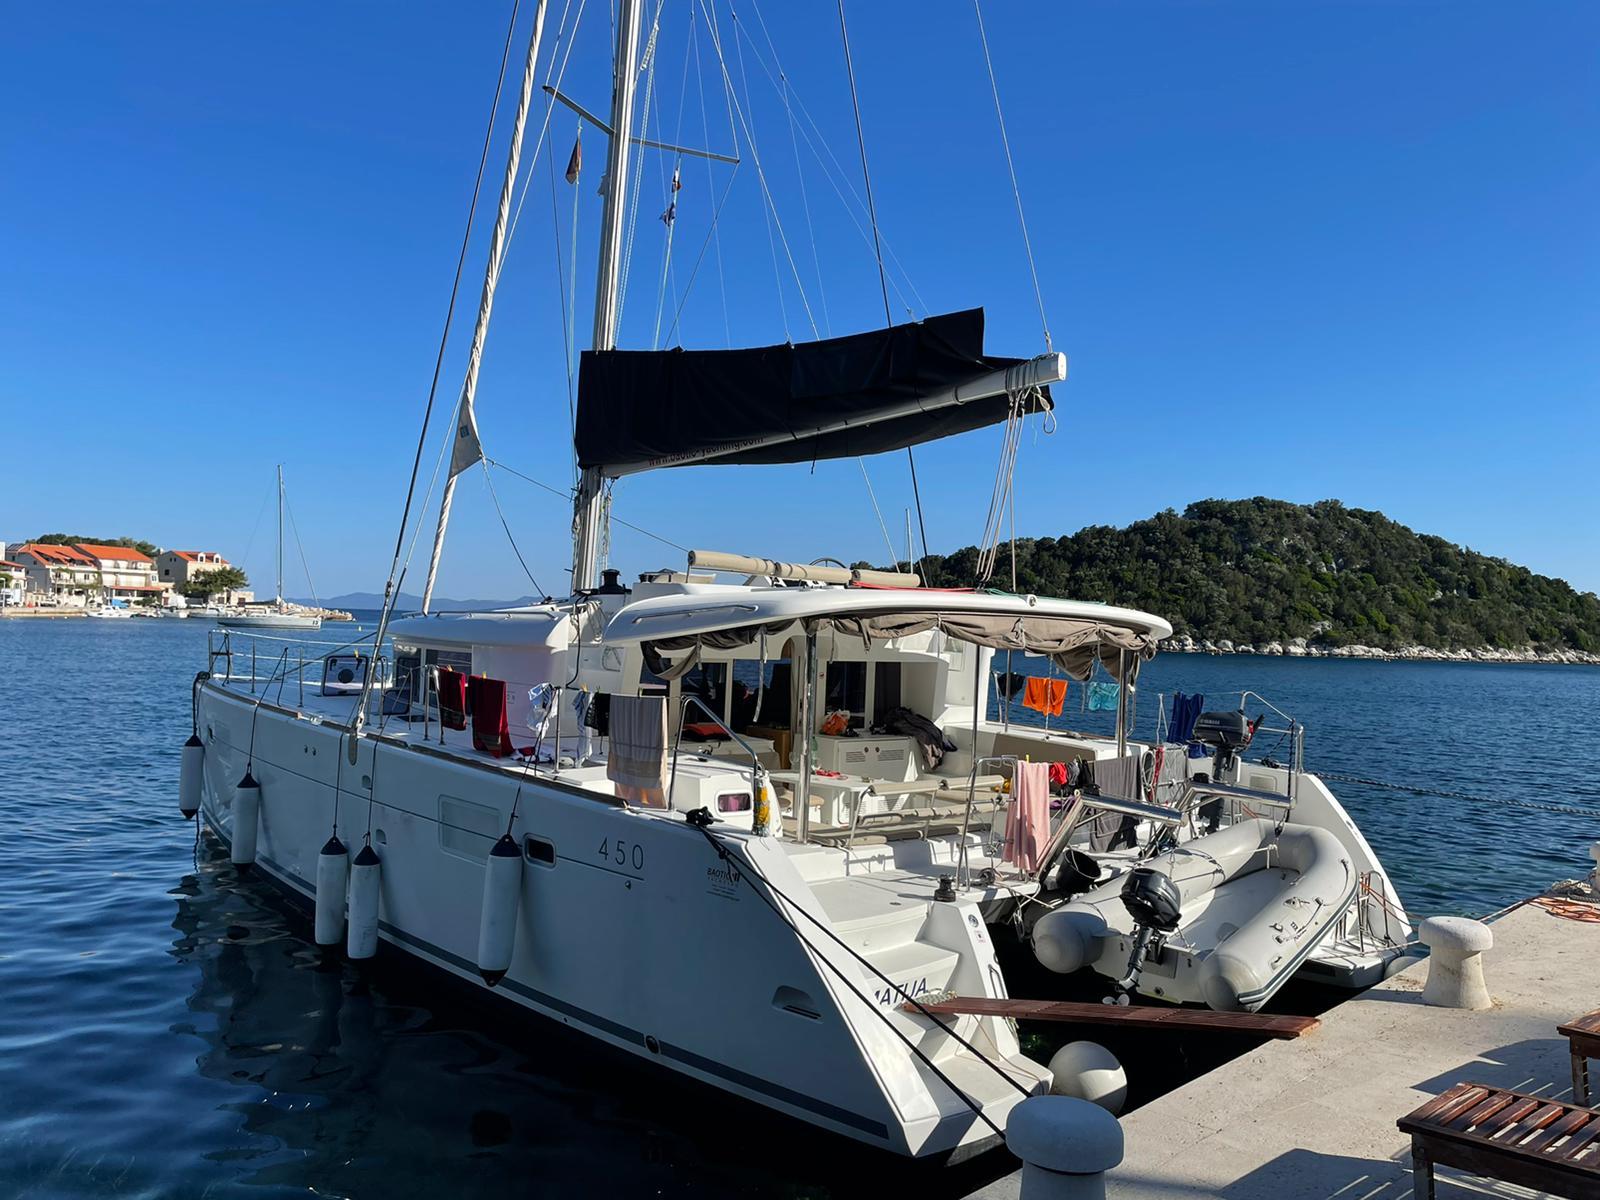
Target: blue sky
[1298, 250]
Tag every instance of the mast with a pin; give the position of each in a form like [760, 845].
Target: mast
[588, 516]
[467, 449]
[280, 535]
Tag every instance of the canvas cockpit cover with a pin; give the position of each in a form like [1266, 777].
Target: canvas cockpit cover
[1075, 644]
[836, 398]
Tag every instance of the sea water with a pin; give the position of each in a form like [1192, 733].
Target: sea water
[167, 1029]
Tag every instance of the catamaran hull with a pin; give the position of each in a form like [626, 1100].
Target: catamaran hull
[631, 928]
[271, 621]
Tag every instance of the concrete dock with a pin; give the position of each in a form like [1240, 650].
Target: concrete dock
[1315, 1117]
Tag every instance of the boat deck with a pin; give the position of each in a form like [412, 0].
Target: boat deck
[1315, 1117]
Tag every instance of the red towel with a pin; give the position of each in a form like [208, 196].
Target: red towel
[487, 700]
[452, 698]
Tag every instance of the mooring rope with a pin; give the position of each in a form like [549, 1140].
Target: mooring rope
[1563, 809]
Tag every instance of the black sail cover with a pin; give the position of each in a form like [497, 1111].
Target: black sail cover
[838, 398]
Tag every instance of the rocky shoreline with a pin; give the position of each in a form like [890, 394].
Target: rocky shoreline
[1301, 648]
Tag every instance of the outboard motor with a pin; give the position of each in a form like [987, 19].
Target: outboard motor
[1153, 901]
[1226, 733]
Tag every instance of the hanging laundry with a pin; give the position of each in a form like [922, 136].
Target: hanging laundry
[1044, 695]
[1185, 710]
[1028, 818]
[452, 699]
[1010, 683]
[637, 763]
[1060, 774]
[1103, 697]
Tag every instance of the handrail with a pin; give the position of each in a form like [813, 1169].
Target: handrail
[972, 798]
[756, 774]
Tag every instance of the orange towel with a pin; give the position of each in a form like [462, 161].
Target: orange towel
[1044, 695]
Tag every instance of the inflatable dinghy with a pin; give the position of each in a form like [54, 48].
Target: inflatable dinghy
[1224, 920]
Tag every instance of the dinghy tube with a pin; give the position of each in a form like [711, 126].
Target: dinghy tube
[191, 765]
[502, 896]
[364, 878]
[1290, 884]
[246, 820]
[333, 876]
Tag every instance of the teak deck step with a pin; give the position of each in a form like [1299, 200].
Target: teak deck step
[1134, 1016]
[1510, 1136]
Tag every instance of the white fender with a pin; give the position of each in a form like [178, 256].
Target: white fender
[246, 819]
[502, 897]
[364, 873]
[333, 875]
[191, 765]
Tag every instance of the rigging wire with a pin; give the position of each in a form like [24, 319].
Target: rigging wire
[761, 174]
[833, 171]
[871, 495]
[883, 279]
[695, 271]
[561, 284]
[866, 175]
[455, 288]
[1016, 191]
[567, 495]
[711, 188]
[299, 545]
[510, 537]
[767, 210]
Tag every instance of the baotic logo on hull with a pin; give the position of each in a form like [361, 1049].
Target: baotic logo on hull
[723, 880]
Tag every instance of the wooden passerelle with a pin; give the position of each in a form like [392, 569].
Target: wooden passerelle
[1511, 1136]
[1583, 1036]
[1134, 1016]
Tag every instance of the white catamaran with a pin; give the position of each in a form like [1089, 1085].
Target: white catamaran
[753, 820]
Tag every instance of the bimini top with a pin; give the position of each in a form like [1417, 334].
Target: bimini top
[1074, 634]
[835, 398]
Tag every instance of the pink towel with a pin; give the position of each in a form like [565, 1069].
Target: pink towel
[1028, 819]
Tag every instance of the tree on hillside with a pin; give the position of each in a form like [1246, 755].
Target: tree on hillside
[213, 583]
[1264, 570]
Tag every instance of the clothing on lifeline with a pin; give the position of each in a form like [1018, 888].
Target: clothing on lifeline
[1044, 695]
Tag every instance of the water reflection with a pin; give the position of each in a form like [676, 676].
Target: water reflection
[355, 1081]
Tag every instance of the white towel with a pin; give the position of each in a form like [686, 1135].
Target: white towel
[637, 761]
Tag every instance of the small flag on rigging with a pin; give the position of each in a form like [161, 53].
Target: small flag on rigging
[575, 162]
[671, 215]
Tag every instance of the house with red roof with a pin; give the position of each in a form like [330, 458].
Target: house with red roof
[125, 574]
[61, 575]
[177, 567]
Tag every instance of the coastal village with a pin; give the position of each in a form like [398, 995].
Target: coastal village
[51, 579]
[82, 576]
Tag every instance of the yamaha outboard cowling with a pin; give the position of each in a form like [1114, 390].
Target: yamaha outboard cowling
[1226, 733]
[1154, 903]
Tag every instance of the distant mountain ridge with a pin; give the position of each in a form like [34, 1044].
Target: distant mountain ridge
[1261, 570]
[412, 603]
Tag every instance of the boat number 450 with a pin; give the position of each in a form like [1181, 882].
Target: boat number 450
[622, 854]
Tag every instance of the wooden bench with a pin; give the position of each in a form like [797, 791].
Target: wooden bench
[1583, 1036]
[1510, 1136]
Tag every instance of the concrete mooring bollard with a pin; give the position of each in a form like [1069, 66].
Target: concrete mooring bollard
[1455, 963]
[1066, 1146]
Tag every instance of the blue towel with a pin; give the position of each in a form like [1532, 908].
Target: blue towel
[1102, 697]
[1185, 711]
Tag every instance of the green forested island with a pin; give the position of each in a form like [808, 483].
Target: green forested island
[1259, 571]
